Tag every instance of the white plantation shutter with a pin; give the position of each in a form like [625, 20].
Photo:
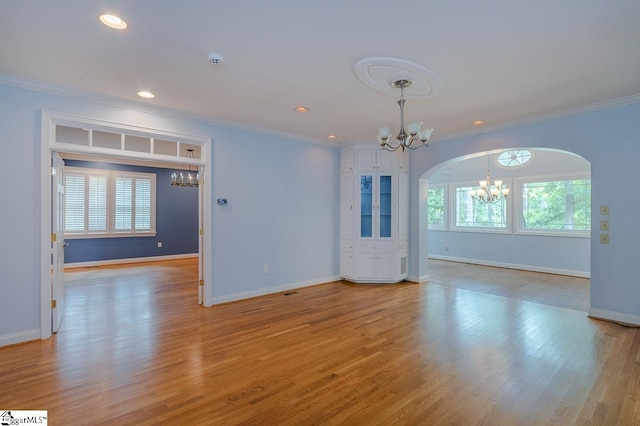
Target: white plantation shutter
[109, 203]
[124, 207]
[143, 204]
[97, 204]
[74, 203]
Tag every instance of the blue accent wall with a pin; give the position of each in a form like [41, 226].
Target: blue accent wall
[176, 223]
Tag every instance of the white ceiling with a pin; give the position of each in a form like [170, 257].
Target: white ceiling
[501, 61]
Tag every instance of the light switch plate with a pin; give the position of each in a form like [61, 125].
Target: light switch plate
[604, 210]
[604, 238]
[604, 225]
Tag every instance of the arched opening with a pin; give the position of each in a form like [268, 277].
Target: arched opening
[543, 226]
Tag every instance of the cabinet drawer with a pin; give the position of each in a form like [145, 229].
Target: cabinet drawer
[376, 246]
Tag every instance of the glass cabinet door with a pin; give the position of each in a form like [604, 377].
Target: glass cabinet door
[384, 228]
[366, 206]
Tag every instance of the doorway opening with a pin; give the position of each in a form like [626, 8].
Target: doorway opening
[83, 139]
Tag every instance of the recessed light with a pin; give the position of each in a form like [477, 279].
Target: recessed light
[145, 94]
[301, 109]
[331, 137]
[113, 21]
[478, 123]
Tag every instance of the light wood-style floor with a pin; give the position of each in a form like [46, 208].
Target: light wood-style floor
[134, 348]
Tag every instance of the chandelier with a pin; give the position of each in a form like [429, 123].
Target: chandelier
[488, 193]
[405, 140]
[186, 176]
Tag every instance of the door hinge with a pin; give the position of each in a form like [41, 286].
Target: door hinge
[201, 283]
[201, 232]
[54, 304]
[54, 237]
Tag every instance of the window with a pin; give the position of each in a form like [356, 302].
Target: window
[556, 205]
[436, 207]
[514, 158]
[108, 203]
[470, 213]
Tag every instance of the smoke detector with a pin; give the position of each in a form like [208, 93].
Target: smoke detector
[215, 58]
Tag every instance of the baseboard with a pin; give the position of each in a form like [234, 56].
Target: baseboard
[619, 317]
[19, 337]
[130, 260]
[420, 279]
[532, 268]
[271, 290]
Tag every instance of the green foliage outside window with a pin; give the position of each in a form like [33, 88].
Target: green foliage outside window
[436, 207]
[557, 205]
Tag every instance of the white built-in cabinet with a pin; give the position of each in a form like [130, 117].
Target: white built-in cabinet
[374, 214]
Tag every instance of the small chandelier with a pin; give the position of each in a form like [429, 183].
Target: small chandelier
[186, 176]
[488, 193]
[405, 140]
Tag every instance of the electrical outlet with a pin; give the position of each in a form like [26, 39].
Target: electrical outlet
[604, 225]
[265, 269]
[159, 244]
[446, 247]
[604, 238]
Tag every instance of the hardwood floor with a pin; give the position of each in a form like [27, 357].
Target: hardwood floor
[134, 348]
[550, 289]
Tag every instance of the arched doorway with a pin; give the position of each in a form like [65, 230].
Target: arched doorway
[523, 241]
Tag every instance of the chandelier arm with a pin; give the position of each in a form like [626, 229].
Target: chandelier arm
[391, 148]
[418, 146]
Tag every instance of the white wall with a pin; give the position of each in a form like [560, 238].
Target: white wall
[282, 212]
[283, 205]
[608, 139]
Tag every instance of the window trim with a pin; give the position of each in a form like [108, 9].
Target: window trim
[517, 189]
[111, 177]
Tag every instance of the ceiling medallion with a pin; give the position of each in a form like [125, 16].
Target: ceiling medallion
[380, 73]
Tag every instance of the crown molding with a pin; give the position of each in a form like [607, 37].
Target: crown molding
[87, 96]
[565, 113]
[15, 81]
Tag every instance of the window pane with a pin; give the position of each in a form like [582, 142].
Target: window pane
[385, 207]
[97, 203]
[123, 203]
[74, 203]
[435, 207]
[366, 206]
[474, 213]
[557, 205]
[143, 204]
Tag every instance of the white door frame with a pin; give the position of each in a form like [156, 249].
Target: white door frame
[49, 120]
